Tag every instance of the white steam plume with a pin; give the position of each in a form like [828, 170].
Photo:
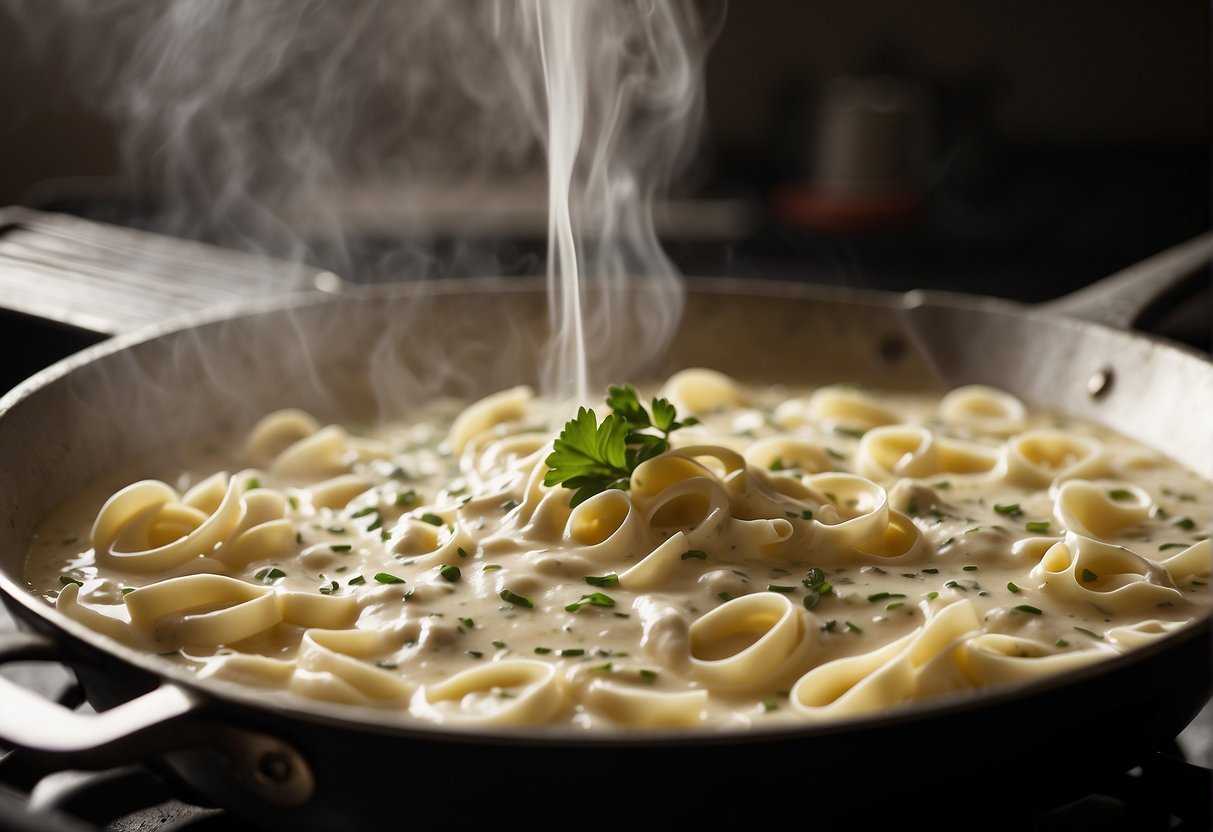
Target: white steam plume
[248, 116]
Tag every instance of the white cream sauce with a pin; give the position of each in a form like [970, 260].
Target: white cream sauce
[1058, 540]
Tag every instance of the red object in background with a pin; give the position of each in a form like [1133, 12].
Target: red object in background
[808, 208]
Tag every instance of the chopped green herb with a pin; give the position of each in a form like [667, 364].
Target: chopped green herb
[776, 464]
[811, 599]
[814, 577]
[385, 664]
[829, 626]
[475, 654]
[648, 675]
[969, 568]
[854, 628]
[1165, 546]
[293, 502]
[1012, 586]
[515, 598]
[1061, 642]
[572, 652]
[252, 483]
[329, 588]
[509, 505]
[594, 599]
[853, 433]
[463, 553]
[884, 596]
[341, 547]
[336, 529]
[1185, 523]
[355, 581]
[498, 643]
[601, 668]
[610, 579]
[1009, 509]
[698, 554]
[268, 576]
[449, 572]
[1120, 494]
[1090, 633]
[724, 596]
[68, 579]
[388, 578]
[806, 514]
[931, 570]
[931, 596]
[363, 512]
[1088, 576]
[1037, 525]
[406, 498]
[431, 518]
[1028, 608]
[490, 567]
[942, 485]
[780, 588]
[127, 590]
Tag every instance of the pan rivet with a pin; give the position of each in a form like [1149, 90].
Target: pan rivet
[274, 766]
[1099, 383]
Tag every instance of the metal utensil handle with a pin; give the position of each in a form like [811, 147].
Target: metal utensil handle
[167, 718]
[1136, 296]
[35, 723]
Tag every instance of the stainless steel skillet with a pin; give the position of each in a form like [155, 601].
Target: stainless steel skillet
[312, 766]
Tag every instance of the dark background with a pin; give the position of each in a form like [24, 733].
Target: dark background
[1031, 148]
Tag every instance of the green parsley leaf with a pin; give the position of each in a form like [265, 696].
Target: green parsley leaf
[388, 578]
[590, 458]
[610, 579]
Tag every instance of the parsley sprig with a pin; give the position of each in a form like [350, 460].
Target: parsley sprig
[591, 457]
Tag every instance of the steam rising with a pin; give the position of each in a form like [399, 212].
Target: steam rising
[257, 120]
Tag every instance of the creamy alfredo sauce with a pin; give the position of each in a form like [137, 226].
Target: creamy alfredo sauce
[797, 555]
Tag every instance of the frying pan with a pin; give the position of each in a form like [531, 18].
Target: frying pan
[311, 765]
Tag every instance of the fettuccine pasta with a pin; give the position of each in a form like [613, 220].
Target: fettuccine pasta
[739, 556]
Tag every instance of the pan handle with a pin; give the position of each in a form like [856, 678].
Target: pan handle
[32, 722]
[166, 718]
[1137, 296]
